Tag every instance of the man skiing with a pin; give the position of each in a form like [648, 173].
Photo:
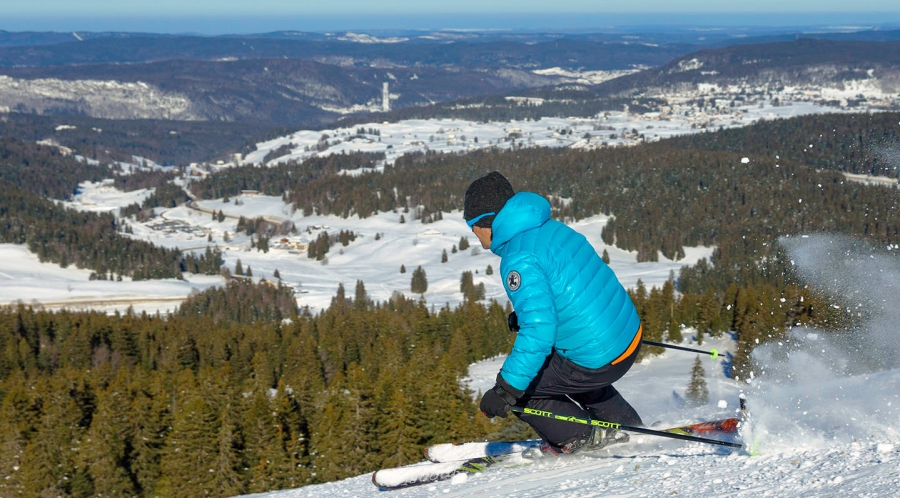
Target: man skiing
[578, 331]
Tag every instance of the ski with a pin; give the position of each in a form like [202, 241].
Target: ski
[449, 452]
[451, 459]
[416, 475]
[724, 426]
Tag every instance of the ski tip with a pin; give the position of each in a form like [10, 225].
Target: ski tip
[379, 486]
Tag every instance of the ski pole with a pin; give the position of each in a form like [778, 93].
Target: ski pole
[613, 425]
[713, 353]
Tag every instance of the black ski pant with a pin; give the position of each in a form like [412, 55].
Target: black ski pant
[566, 388]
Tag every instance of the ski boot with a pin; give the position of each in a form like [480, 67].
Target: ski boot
[601, 438]
[597, 439]
[545, 449]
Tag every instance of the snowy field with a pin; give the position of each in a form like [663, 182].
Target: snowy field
[103, 197]
[24, 279]
[823, 422]
[450, 135]
[376, 262]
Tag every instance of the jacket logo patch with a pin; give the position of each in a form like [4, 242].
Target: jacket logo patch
[513, 280]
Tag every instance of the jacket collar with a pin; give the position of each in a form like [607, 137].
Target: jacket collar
[522, 212]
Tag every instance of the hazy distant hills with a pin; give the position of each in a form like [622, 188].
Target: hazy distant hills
[801, 62]
[280, 91]
[308, 79]
[282, 80]
[568, 53]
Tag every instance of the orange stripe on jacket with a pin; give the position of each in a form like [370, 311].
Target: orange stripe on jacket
[631, 347]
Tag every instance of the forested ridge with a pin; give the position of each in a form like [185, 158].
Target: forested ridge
[688, 191]
[31, 175]
[237, 392]
[161, 141]
[227, 397]
[560, 102]
[855, 143]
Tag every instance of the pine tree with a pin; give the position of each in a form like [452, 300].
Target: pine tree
[605, 256]
[151, 421]
[261, 442]
[48, 464]
[360, 299]
[238, 268]
[402, 268]
[419, 283]
[470, 291]
[463, 243]
[399, 432]
[227, 463]
[697, 393]
[444, 256]
[108, 443]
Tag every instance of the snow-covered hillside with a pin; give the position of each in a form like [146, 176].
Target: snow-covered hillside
[824, 412]
[99, 98]
[382, 246]
[608, 129]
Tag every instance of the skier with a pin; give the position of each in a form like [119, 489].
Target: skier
[578, 331]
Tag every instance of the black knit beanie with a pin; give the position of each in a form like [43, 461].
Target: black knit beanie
[487, 194]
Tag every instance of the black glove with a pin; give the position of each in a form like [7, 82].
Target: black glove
[496, 402]
[512, 321]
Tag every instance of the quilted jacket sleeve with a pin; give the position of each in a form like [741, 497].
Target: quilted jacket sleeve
[529, 290]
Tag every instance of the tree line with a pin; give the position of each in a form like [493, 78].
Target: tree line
[31, 175]
[239, 391]
[236, 392]
[737, 190]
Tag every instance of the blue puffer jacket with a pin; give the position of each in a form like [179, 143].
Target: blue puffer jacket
[566, 298]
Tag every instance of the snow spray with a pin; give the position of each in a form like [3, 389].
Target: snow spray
[819, 387]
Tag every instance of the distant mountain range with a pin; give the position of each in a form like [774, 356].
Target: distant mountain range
[308, 79]
[279, 91]
[280, 79]
[348, 49]
[800, 62]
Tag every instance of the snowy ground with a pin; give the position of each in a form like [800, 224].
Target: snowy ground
[24, 279]
[376, 262]
[452, 135]
[103, 197]
[824, 411]
[806, 442]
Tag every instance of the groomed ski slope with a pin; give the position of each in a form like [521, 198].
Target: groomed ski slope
[825, 411]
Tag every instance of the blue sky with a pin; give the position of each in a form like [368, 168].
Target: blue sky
[115, 8]
[245, 16]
